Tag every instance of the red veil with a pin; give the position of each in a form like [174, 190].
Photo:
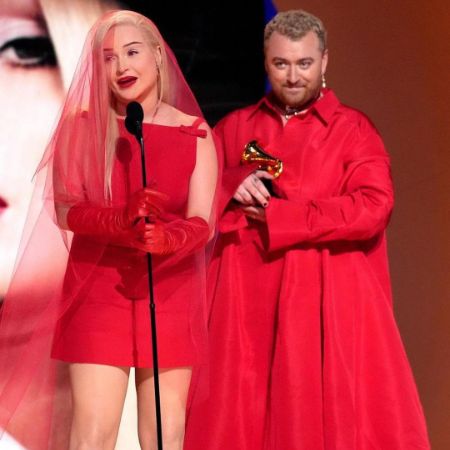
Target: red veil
[34, 391]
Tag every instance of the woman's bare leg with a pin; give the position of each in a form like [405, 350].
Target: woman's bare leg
[174, 388]
[98, 393]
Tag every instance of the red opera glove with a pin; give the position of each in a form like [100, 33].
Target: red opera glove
[179, 235]
[88, 219]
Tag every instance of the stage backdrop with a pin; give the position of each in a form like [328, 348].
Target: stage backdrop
[391, 60]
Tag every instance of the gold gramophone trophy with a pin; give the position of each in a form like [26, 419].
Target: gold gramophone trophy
[253, 153]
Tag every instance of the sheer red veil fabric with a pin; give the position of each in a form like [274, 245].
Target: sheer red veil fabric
[34, 391]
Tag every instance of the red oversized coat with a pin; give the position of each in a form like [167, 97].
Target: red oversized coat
[305, 351]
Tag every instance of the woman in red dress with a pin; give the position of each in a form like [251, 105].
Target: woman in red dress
[95, 195]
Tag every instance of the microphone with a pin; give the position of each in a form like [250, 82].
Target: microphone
[133, 121]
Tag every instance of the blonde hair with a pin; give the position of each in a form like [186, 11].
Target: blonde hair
[154, 40]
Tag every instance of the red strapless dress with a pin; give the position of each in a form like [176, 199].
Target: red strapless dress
[107, 320]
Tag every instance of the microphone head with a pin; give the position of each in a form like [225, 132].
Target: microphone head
[130, 125]
[134, 118]
[135, 111]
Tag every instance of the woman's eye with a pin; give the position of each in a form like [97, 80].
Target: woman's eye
[29, 52]
[132, 52]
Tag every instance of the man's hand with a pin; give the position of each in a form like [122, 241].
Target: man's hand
[255, 213]
[252, 192]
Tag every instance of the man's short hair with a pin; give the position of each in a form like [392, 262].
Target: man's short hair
[295, 24]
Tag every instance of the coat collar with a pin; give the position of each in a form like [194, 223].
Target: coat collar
[323, 108]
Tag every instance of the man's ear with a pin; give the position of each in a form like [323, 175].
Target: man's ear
[324, 61]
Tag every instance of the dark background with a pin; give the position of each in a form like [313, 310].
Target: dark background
[218, 46]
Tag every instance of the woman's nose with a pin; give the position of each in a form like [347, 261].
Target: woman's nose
[121, 65]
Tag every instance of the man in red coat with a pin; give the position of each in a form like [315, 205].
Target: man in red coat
[305, 352]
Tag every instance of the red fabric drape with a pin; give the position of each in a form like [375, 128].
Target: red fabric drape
[305, 352]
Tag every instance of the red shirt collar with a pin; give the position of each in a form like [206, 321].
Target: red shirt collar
[323, 107]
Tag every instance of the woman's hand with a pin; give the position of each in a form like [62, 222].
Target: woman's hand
[144, 203]
[162, 238]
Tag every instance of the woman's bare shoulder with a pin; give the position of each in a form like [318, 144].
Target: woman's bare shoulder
[169, 115]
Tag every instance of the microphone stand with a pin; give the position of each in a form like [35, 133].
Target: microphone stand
[152, 307]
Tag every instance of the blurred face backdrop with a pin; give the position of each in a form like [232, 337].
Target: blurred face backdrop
[40, 42]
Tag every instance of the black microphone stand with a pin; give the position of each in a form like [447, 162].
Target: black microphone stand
[138, 134]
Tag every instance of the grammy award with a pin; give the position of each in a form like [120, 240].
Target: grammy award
[253, 153]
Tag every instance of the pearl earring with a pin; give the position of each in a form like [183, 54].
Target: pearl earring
[324, 82]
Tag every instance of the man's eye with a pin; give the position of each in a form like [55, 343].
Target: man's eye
[280, 65]
[29, 52]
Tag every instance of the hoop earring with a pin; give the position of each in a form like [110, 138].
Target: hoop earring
[324, 82]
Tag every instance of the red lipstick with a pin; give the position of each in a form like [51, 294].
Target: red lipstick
[126, 82]
[3, 205]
